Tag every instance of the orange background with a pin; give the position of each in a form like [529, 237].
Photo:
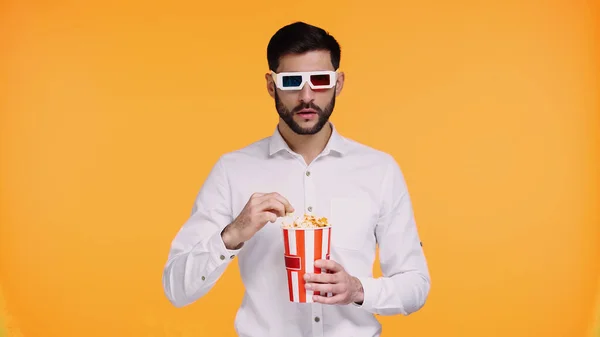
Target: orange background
[112, 114]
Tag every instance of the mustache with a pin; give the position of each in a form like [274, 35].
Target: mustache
[308, 105]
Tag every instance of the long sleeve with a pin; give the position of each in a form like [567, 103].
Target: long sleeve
[198, 257]
[405, 282]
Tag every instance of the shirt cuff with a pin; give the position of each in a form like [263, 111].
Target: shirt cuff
[219, 254]
[370, 293]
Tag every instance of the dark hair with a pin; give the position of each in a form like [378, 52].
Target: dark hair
[299, 38]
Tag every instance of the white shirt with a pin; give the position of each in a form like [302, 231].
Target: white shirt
[360, 190]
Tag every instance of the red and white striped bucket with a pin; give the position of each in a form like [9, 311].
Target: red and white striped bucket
[303, 246]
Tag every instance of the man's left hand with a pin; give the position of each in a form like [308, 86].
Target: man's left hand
[344, 287]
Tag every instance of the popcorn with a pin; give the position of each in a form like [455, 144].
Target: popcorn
[306, 239]
[305, 221]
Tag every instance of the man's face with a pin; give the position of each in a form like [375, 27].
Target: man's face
[305, 111]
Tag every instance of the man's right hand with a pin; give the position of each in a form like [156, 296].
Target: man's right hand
[260, 209]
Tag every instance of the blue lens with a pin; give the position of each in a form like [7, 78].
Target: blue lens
[291, 81]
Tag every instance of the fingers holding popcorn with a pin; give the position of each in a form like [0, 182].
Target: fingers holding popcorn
[260, 209]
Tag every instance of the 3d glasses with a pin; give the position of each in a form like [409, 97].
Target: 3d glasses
[297, 80]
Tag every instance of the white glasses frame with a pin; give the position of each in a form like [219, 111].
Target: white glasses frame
[278, 78]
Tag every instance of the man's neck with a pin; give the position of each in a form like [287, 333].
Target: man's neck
[308, 146]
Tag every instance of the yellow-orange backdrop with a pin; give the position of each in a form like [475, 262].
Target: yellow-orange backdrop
[112, 113]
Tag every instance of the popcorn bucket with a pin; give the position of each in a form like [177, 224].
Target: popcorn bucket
[303, 246]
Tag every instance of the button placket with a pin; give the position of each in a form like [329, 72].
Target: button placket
[317, 320]
[310, 200]
[309, 191]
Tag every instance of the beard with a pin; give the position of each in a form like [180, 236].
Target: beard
[288, 116]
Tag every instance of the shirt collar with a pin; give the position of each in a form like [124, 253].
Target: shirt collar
[336, 143]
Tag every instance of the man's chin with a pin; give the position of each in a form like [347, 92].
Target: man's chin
[306, 124]
[304, 129]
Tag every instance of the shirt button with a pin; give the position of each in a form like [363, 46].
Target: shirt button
[317, 319]
[222, 257]
[308, 173]
[232, 256]
[310, 208]
[203, 278]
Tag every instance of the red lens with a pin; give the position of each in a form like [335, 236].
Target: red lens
[320, 79]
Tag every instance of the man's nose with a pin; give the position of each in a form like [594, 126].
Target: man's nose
[306, 94]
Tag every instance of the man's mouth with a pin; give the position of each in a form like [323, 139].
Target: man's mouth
[307, 112]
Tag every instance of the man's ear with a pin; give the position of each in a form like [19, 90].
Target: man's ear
[339, 85]
[270, 85]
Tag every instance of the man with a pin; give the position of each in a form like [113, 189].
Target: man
[305, 167]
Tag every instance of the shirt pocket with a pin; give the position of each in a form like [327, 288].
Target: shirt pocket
[351, 221]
